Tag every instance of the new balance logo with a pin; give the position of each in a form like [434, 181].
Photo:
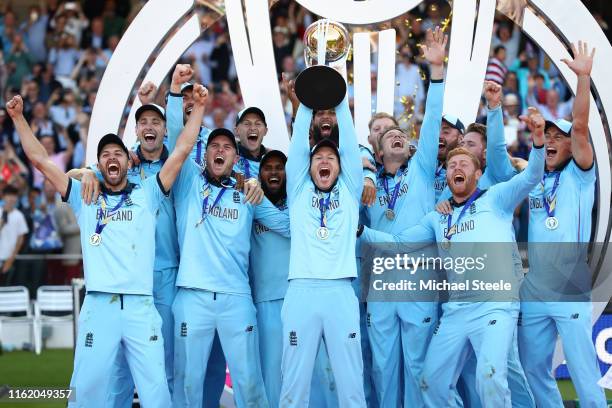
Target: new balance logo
[153, 337]
[492, 322]
[520, 320]
[472, 209]
[352, 335]
[236, 197]
[427, 320]
[89, 339]
[183, 329]
[368, 316]
[436, 329]
[249, 329]
[292, 338]
[575, 316]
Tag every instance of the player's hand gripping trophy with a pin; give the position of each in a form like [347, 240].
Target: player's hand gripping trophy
[322, 85]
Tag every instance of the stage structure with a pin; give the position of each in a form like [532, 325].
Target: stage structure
[163, 31]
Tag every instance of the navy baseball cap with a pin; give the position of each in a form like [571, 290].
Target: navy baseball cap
[251, 109]
[454, 122]
[111, 138]
[151, 107]
[222, 132]
[327, 142]
[273, 153]
[186, 86]
[563, 125]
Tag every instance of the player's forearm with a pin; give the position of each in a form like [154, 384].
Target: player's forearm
[299, 149]
[174, 118]
[350, 155]
[581, 146]
[436, 72]
[31, 146]
[189, 135]
[498, 162]
[427, 151]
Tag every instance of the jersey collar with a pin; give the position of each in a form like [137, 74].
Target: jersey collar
[162, 158]
[243, 152]
[224, 181]
[462, 203]
[127, 190]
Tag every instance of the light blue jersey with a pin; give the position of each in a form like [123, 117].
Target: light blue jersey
[498, 166]
[123, 260]
[311, 257]
[415, 195]
[440, 180]
[247, 164]
[489, 218]
[369, 156]
[269, 261]
[166, 243]
[215, 253]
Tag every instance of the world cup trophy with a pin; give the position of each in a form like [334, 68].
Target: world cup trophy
[322, 85]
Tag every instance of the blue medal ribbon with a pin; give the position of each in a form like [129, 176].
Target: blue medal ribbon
[199, 152]
[439, 169]
[396, 189]
[103, 217]
[323, 205]
[205, 202]
[449, 232]
[247, 168]
[550, 202]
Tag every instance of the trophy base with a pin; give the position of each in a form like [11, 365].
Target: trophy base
[320, 87]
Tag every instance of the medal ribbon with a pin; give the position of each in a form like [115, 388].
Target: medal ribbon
[247, 168]
[550, 202]
[205, 202]
[396, 189]
[104, 220]
[199, 152]
[439, 169]
[452, 231]
[323, 205]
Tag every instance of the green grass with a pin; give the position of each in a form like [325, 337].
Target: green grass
[54, 367]
[25, 369]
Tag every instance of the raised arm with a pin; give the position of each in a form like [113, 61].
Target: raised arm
[174, 107]
[350, 157]
[434, 52]
[35, 151]
[186, 140]
[582, 151]
[499, 166]
[408, 240]
[510, 193]
[298, 159]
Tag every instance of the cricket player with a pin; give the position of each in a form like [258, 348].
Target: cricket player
[488, 144]
[116, 232]
[451, 132]
[560, 214]
[152, 154]
[470, 319]
[268, 271]
[213, 287]
[320, 302]
[400, 331]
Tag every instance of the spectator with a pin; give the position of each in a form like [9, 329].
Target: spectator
[61, 158]
[19, 62]
[35, 30]
[552, 109]
[526, 68]
[496, 68]
[47, 83]
[64, 58]
[13, 228]
[113, 23]
[283, 45]
[64, 112]
[76, 21]
[510, 37]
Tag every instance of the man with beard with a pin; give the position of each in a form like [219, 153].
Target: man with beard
[268, 270]
[472, 319]
[152, 154]
[488, 144]
[213, 287]
[320, 301]
[118, 313]
[251, 128]
[450, 135]
[178, 109]
[559, 233]
[400, 331]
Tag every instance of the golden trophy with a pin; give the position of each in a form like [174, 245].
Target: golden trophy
[322, 85]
